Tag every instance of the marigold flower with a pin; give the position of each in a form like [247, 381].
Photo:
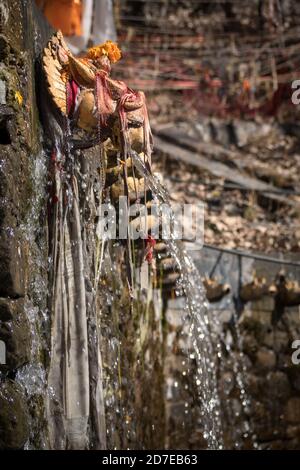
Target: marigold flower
[109, 48]
[19, 98]
[246, 85]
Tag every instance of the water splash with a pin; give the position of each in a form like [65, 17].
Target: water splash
[197, 318]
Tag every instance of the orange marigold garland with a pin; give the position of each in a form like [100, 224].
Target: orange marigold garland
[109, 48]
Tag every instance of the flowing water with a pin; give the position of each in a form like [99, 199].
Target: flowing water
[207, 339]
[32, 377]
[234, 368]
[204, 350]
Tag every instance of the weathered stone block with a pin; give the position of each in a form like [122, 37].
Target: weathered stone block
[254, 385]
[15, 333]
[12, 266]
[17, 344]
[250, 346]
[278, 386]
[10, 309]
[285, 362]
[265, 359]
[292, 410]
[14, 428]
[246, 132]
[279, 340]
[294, 376]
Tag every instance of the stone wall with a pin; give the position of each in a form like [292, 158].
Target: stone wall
[271, 379]
[257, 380]
[132, 342]
[19, 147]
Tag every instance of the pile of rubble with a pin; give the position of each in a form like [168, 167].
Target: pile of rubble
[239, 216]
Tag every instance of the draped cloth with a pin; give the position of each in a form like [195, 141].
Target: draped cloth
[72, 393]
[75, 403]
[65, 15]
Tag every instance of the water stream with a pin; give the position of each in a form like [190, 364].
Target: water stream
[113, 418]
[196, 315]
[32, 376]
[77, 372]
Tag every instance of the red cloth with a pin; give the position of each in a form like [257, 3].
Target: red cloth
[103, 97]
[72, 91]
[150, 243]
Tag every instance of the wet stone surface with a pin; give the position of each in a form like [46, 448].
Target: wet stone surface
[15, 333]
[13, 417]
[19, 145]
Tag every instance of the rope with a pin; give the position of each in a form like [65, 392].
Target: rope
[212, 272]
[245, 254]
[98, 85]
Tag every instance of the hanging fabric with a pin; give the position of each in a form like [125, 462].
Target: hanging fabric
[65, 15]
